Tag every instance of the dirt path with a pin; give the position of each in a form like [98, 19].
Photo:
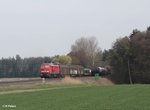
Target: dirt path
[33, 90]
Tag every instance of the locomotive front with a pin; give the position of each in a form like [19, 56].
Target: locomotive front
[48, 70]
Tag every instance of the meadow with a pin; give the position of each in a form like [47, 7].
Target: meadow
[78, 97]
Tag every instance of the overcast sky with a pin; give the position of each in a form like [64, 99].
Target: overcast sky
[34, 28]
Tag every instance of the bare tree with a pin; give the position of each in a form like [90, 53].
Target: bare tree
[86, 50]
[92, 50]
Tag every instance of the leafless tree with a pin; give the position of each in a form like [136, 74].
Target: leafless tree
[86, 50]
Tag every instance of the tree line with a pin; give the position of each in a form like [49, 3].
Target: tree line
[129, 58]
[28, 67]
[20, 67]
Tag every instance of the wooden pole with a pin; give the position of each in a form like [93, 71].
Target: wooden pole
[129, 72]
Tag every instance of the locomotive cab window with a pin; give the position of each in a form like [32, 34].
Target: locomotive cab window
[42, 66]
[46, 66]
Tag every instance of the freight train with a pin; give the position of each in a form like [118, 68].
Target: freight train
[49, 70]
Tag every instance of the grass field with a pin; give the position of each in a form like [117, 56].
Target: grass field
[115, 97]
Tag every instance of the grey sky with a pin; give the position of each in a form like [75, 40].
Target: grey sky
[49, 27]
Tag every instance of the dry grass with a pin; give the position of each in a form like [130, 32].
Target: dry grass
[71, 81]
[104, 81]
[65, 82]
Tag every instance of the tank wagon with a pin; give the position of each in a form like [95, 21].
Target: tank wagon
[101, 71]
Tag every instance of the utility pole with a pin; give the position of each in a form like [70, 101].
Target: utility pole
[129, 72]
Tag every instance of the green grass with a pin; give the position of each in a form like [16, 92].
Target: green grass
[116, 97]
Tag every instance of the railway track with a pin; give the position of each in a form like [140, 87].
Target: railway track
[12, 81]
[18, 81]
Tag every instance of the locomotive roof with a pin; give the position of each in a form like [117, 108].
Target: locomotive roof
[50, 64]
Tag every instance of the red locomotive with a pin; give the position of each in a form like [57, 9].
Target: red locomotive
[49, 70]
